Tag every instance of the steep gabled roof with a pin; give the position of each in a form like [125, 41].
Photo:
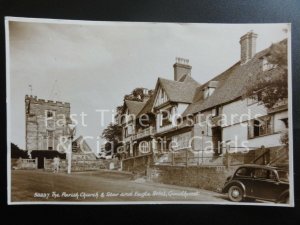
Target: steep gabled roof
[170, 86]
[179, 91]
[147, 107]
[87, 148]
[134, 107]
[221, 78]
[232, 84]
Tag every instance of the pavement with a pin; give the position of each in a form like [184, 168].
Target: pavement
[100, 186]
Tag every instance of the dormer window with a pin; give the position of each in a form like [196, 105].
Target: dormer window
[266, 65]
[206, 93]
[211, 87]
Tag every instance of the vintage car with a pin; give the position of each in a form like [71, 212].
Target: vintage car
[250, 182]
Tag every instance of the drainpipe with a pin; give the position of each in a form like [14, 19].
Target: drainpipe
[186, 157]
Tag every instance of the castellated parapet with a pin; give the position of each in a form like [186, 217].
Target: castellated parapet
[43, 101]
[46, 122]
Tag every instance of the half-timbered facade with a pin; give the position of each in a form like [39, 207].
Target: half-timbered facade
[208, 120]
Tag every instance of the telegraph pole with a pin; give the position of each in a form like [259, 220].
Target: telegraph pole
[71, 134]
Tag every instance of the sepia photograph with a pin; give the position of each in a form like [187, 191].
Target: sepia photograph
[105, 112]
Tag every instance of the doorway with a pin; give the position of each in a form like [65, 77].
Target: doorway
[217, 140]
[40, 162]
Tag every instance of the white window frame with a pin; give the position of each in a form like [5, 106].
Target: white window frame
[269, 128]
[144, 147]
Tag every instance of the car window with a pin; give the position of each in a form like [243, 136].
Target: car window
[272, 175]
[264, 174]
[243, 172]
[283, 175]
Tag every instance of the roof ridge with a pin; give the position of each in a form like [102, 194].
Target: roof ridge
[223, 73]
[126, 100]
[233, 82]
[268, 48]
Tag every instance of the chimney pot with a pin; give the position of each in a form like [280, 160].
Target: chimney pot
[181, 67]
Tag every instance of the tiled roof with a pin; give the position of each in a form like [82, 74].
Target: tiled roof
[221, 78]
[177, 91]
[180, 91]
[147, 107]
[232, 84]
[134, 107]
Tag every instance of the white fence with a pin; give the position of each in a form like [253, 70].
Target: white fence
[25, 163]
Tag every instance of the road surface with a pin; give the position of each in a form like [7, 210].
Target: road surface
[99, 186]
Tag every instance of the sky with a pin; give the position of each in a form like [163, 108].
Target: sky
[93, 65]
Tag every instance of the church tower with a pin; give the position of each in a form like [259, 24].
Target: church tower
[46, 122]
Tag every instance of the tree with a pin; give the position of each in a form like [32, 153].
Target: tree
[14, 147]
[16, 152]
[119, 108]
[274, 85]
[138, 94]
[112, 134]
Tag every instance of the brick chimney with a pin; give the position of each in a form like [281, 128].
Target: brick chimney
[248, 46]
[181, 67]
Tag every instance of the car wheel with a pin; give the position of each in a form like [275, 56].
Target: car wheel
[235, 193]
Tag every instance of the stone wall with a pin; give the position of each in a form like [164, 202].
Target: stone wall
[24, 163]
[89, 165]
[81, 165]
[209, 178]
[240, 158]
[137, 164]
[48, 165]
[260, 156]
[213, 177]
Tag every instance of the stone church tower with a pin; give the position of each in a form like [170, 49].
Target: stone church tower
[46, 122]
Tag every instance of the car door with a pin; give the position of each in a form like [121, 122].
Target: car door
[283, 182]
[265, 184]
[244, 175]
